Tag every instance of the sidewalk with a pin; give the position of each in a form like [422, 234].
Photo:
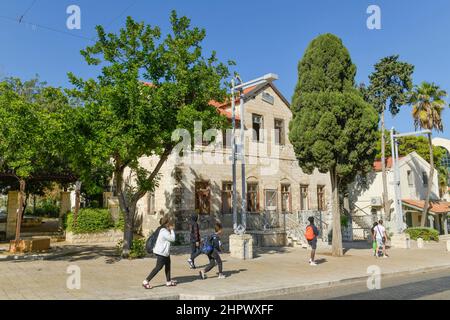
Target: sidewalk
[272, 272]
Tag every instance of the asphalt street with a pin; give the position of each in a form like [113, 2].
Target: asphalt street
[424, 286]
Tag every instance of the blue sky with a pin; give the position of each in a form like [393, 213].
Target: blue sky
[261, 36]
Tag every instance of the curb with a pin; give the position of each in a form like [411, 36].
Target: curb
[280, 291]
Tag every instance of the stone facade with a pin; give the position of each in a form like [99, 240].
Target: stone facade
[271, 170]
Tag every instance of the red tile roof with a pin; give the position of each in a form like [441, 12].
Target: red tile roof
[389, 163]
[436, 206]
[228, 103]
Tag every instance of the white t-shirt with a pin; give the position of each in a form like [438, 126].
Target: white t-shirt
[379, 231]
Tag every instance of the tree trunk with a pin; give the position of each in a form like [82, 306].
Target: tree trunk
[337, 250]
[77, 201]
[386, 203]
[124, 207]
[20, 211]
[128, 203]
[430, 184]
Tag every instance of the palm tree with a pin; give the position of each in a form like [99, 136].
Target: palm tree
[428, 103]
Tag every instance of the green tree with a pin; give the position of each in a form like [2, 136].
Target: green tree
[126, 119]
[30, 114]
[428, 103]
[389, 87]
[333, 128]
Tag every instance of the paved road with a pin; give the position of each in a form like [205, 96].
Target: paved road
[424, 286]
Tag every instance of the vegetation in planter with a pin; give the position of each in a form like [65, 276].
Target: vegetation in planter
[90, 221]
[427, 234]
[137, 248]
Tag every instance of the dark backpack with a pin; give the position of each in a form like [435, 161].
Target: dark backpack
[207, 246]
[151, 241]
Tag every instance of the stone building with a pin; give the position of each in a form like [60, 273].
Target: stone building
[201, 181]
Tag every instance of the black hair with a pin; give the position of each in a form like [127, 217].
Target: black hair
[311, 220]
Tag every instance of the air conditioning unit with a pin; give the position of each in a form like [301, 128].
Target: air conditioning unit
[376, 202]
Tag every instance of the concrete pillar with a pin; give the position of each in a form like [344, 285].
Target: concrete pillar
[420, 244]
[106, 197]
[445, 223]
[65, 205]
[241, 246]
[448, 245]
[13, 209]
[114, 208]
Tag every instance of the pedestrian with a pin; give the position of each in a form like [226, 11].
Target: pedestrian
[214, 254]
[195, 241]
[374, 239]
[381, 236]
[311, 236]
[162, 252]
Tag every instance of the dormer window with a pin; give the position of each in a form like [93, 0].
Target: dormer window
[267, 97]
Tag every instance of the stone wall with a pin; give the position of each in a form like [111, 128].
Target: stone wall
[111, 236]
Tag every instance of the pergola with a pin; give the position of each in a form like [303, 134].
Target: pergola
[11, 178]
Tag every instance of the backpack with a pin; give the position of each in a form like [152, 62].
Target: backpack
[151, 241]
[207, 246]
[309, 234]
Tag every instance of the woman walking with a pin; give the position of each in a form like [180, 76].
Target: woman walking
[162, 252]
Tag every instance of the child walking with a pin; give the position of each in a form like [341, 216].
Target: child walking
[162, 252]
[214, 255]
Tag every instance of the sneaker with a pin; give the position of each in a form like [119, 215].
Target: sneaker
[385, 256]
[313, 264]
[202, 275]
[222, 276]
[191, 264]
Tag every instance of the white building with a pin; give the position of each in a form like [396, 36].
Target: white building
[365, 196]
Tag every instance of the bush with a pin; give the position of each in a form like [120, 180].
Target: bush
[120, 224]
[427, 234]
[137, 248]
[90, 221]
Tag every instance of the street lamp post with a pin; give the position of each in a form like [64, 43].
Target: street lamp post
[239, 150]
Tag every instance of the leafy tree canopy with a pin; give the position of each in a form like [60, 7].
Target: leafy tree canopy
[390, 84]
[333, 127]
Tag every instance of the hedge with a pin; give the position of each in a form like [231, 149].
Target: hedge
[427, 234]
[92, 221]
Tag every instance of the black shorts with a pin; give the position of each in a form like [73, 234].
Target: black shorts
[313, 244]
